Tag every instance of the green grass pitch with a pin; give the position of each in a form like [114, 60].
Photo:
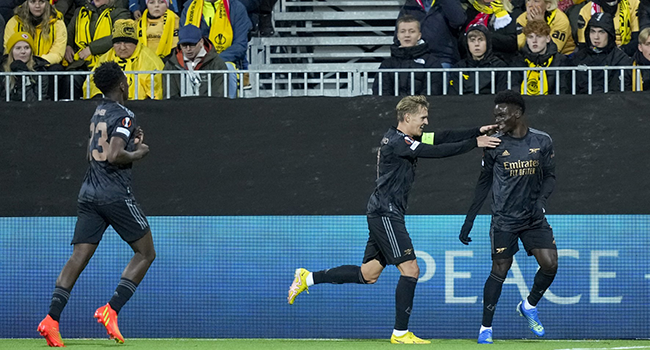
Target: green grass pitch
[329, 344]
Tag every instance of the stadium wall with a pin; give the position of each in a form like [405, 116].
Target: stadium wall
[241, 192]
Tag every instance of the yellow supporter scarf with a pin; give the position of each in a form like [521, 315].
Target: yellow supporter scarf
[551, 17]
[623, 19]
[128, 65]
[42, 44]
[634, 82]
[221, 34]
[495, 7]
[533, 79]
[166, 43]
[82, 38]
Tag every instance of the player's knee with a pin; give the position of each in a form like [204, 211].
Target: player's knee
[549, 268]
[411, 269]
[371, 280]
[150, 256]
[501, 267]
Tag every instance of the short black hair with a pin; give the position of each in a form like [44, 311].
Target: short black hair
[511, 97]
[108, 76]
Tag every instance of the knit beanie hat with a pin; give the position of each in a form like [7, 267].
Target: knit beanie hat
[125, 30]
[20, 36]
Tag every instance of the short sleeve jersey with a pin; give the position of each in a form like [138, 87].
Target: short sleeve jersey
[105, 182]
[518, 166]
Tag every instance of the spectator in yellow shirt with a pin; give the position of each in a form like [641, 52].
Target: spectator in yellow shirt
[131, 56]
[158, 28]
[43, 23]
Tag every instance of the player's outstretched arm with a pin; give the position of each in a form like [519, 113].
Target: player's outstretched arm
[118, 155]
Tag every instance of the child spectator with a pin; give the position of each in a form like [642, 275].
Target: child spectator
[478, 44]
[158, 28]
[498, 17]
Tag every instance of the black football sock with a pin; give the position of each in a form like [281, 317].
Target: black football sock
[404, 294]
[339, 275]
[60, 298]
[123, 293]
[491, 294]
[540, 285]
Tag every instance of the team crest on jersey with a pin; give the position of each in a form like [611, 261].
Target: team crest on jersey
[126, 122]
[533, 150]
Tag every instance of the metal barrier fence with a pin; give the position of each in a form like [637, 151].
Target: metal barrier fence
[338, 83]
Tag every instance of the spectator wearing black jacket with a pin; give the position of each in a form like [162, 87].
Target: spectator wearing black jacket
[20, 58]
[442, 24]
[600, 50]
[499, 16]
[478, 44]
[411, 52]
[641, 77]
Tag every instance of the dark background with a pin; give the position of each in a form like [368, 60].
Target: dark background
[315, 156]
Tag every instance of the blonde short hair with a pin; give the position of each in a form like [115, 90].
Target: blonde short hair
[644, 35]
[410, 105]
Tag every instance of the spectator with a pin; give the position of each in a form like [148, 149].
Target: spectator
[559, 22]
[478, 44]
[89, 32]
[225, 23]
[69, 7]
[44, 23]
[410, 52]
[89, 37]
[442, 24]
[158, 28]
[601, 50]
[7, 8]
[498, 17]
[641, 58]
[131, 55]
[626, 21]
[540, 51]
[20, 58]
[194, 54]
[138, 6]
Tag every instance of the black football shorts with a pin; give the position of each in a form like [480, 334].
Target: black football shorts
[125, 216]
[388, 241]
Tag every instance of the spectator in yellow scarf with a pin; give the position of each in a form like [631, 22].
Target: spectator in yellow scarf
[158, 28]
[131, 56]
[43, 23]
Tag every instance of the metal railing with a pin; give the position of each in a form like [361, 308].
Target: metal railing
[332, 82]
